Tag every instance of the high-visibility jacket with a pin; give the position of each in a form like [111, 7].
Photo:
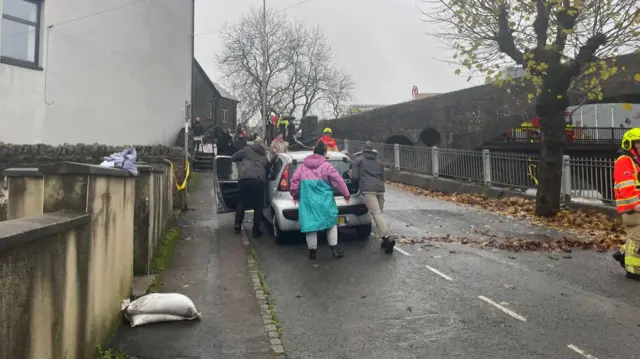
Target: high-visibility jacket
[282, 121]
[332, 145]
[626, 184]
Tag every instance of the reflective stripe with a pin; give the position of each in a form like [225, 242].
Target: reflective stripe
[627, 201]
[631, 259]
[625, 184]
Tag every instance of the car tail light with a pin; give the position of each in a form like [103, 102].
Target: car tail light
[290, 214]
[360, 210]
[284, 180]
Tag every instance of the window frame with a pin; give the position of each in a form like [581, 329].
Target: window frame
[210, 109]
[35, 64]
[224, 115]
[273, 173]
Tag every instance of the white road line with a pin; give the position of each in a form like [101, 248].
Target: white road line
[402, 251]
[508, 311]
[580, 351]
[439, 273]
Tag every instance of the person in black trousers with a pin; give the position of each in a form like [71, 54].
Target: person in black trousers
[252, 165]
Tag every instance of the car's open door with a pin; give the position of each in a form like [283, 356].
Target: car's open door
[226, 184]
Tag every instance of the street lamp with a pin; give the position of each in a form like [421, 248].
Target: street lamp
[264, 71]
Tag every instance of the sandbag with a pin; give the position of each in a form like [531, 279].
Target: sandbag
[159, 307]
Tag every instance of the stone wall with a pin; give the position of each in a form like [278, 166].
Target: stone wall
[66, 260]
[16, 156]
[465, 118]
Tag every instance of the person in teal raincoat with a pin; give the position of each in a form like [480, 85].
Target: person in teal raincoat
[312, 186]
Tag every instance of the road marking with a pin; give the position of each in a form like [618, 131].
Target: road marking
[580, 351]
[402, 251]
[506, 310]
[439, 273]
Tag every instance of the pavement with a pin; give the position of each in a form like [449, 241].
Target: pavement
[447, 300]
[210, 267]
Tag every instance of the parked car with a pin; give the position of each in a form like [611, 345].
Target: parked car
[280, 211]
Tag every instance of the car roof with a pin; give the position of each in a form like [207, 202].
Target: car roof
[301, 155]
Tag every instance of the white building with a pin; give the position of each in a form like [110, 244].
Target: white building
[94, 71]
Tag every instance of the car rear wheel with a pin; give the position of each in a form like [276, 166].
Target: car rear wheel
[280, 236]
[364, 231]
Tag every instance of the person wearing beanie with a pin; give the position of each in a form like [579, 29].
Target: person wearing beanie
[368, 173]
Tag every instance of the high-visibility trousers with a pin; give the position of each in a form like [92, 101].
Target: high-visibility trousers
[631, 222]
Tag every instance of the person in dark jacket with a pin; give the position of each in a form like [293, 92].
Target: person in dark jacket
[252, 165]
[241, 140]
[198, 129]
[224, 143]
[368, 173]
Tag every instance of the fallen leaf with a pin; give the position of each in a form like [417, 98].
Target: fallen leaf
[409, 309]
[299, 295]
[588, 229]
[185, 286]
[364, 296]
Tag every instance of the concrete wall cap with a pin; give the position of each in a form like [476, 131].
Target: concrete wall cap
[22, 172]
[76, 168]
[18, 232]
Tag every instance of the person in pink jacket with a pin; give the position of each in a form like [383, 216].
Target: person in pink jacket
[312, 186]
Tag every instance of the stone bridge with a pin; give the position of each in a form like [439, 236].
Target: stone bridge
[466, 118]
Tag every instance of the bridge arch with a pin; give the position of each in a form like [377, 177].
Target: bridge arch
[399, 139]
[430, 137]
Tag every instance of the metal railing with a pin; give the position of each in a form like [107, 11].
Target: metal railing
[584, 179]
[574, 135]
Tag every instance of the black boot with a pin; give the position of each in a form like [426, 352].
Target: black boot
[312, 254]
[619, 257]
[387, 244]
[633, 276]
[337, 252]
[237, 228]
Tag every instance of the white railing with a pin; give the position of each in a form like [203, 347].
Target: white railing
[584, 179]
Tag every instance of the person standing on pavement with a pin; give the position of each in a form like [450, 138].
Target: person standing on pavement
[368, 173]
[241, 140]
[252, 174]
[626, 173]
[279, 145]
[312, 187]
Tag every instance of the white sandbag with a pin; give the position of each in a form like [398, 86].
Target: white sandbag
[159, 307]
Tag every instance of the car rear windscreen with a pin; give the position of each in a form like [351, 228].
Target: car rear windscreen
[342, 168]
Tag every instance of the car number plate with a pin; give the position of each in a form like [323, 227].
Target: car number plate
[342, 220]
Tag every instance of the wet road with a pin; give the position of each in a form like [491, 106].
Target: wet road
[450, 300]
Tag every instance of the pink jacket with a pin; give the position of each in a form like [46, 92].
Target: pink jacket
[316, 167]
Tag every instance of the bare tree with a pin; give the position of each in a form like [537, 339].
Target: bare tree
[339, 93]
[301, 71]
[561, 45]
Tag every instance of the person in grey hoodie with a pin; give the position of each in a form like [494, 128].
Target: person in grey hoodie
[368, 173]
[252, 165]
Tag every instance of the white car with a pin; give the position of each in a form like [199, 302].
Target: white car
[280, 211]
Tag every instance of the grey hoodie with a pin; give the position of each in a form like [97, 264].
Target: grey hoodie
[368, 172]
[252, 162]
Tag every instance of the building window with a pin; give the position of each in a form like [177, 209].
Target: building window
[20, 32]
[210, 109]
[224, 115]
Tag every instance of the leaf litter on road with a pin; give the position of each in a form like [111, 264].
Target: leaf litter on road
[587, 229]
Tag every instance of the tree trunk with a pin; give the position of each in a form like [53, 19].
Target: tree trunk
[550, 166]
[550, 107]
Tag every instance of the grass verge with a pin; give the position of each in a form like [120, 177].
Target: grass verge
[102, 353]
[163, 257]
[192, 181]
[265, 289]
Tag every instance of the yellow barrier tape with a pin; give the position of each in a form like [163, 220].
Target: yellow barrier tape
[530, 169]
[182, 186]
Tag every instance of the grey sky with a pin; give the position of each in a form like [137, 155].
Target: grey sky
[381, 43]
